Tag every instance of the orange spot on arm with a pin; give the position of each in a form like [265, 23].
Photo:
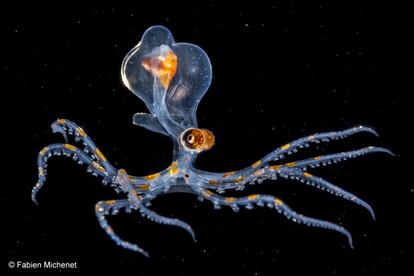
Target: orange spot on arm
[257, 164]
[111, 202]
[252, 197]
[258, 172]
[207, 193]
[278, 202]
[285, 147]
[153, 176]
[307, 174]
[275, 168]
[110, 230]
[227, 174]
[44, 150]
[230, 200]
[81, 132]
[144, 187]
[70, 147]
[240, 179]
[98, 167]
[100, 155]
[291, 164]
[173, 168]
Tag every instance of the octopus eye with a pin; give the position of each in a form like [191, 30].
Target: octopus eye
[190, 138]
[195, 139]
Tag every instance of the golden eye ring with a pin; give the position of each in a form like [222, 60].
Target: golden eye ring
[197, 140]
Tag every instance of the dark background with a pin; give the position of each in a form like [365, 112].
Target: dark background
[281, 70]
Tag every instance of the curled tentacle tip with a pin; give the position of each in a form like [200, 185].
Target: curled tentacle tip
[390, 153]
[373, 215]
[350, 242]
[370, 210]
[370, 130]
[58, 129]
[384, 150]
[65, 137]
[34, 198]
[138, 249]
[145, 253]
[348, 235]
[375, 133]
[192, 234]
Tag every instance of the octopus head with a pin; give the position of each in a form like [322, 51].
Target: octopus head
[171, 78]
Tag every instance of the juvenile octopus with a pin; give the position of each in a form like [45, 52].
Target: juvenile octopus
[171, 78]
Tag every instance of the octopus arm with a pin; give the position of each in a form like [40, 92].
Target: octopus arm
[322, 184]
[149, 121]
[73, 152]
[67, 127]
[276, 203]
[336, 157]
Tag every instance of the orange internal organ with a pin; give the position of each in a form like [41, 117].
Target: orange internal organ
[162, 66]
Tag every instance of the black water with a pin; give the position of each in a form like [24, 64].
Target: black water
[280, 71]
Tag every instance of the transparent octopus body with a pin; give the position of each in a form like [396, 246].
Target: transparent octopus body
[171, 78]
